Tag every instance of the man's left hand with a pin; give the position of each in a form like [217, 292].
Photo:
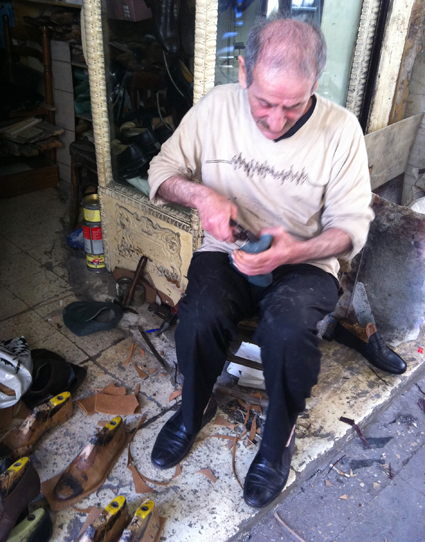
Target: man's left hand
[284, 250]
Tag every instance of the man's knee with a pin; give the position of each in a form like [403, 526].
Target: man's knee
[207, 311]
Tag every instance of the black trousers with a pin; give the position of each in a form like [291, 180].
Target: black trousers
[216, 299]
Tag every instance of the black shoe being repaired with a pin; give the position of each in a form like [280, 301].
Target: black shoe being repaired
[371, 345]
[174, 442]
[265, 480]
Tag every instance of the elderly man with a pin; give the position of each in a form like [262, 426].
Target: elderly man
[279, 160]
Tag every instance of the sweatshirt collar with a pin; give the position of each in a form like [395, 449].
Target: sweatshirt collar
[300, 122]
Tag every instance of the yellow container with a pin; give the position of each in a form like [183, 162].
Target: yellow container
[95, 262]
[91, 209]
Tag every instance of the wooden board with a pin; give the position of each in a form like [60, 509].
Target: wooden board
[44, 174]
[389, 149]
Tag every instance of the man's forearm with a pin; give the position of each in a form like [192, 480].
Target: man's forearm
[215, 210]
[331, 242]
[178, 189]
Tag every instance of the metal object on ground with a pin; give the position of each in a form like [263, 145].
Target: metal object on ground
[154, 350]
[123, 285]
[95, 263]
[132, 287]
[93, 242]
[91, 210]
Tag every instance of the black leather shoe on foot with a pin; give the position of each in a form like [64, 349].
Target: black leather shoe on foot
[174, 442]
[371, 345]
[265, 480]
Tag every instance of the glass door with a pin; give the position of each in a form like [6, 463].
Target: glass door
[338, 19]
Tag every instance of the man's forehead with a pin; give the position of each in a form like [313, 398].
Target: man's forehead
[280, 85]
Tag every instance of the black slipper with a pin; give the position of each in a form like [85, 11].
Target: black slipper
[86, 317]
[52, 374]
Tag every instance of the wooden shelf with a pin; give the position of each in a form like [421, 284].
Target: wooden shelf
[53, 3]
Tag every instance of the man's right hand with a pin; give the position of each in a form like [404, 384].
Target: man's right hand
[215, 212]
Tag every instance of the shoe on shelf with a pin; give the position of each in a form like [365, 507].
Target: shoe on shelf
[174, 442]
[369, 343]
[19, 485]
[21, 441]
[265, 480]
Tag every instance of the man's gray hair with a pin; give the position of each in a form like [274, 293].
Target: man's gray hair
[286, 44]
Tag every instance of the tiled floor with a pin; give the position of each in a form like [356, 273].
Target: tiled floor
[34, 289]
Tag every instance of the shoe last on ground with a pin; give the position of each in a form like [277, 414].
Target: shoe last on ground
[368, 342]
[20, 441]
[36, 527]
[144, 526]
[174, 442]
[110, 524]
[19, 485]
[89, 467]
[265, 480]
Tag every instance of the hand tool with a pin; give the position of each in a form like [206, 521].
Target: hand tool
[169, 315]
[137, 276]
[154, 350]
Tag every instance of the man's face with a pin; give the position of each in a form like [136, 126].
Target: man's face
[277, 99]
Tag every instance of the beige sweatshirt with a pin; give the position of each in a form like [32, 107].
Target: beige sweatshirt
[312, 181]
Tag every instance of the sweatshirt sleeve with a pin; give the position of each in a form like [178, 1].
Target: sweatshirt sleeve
[181, 154]
[348, 195]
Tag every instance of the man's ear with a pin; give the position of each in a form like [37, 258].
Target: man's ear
[242, 72]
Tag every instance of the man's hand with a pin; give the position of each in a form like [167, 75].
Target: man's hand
[283, 249]
[286, 250]
[215, 212]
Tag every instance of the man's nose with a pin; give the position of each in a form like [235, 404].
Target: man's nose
[277, 119]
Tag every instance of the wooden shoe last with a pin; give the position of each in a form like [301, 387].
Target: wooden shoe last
[19, 442]
[110, 524]
[145, 525]
[88, 468]
[19, 485]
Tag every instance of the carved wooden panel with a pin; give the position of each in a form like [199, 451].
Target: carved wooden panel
[138, 235]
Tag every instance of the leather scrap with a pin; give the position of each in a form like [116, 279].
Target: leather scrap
[112, 389]
[130, 354]
[209, 474]
[140, 480]
[253, 431]
[118, 405]
[93, 514]
[175, 394]
[87, 405]
[233, 460]
[142, 374]
[224, 423]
